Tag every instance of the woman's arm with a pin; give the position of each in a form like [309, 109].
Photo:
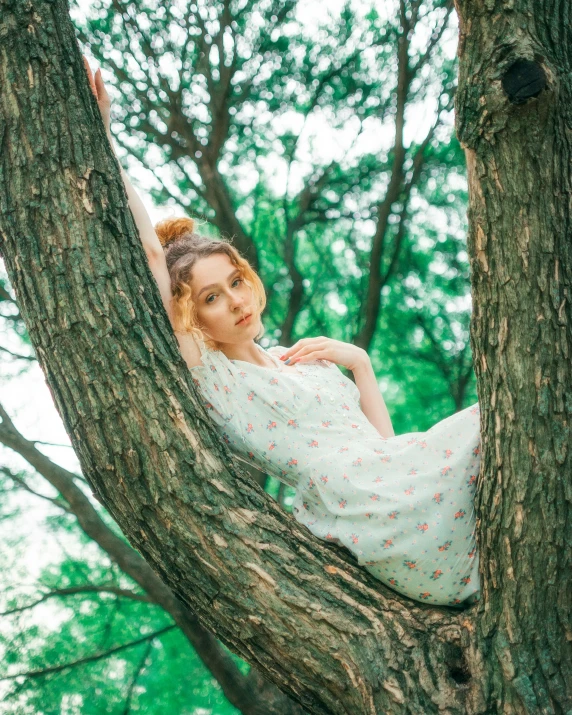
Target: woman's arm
[371, 399]
[158, 265]
[151, 244]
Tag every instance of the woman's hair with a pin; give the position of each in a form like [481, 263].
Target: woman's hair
[183, 248]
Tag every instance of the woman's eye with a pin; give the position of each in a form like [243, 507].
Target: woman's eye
[213, 295]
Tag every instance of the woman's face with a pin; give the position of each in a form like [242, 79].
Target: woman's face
[222, 299]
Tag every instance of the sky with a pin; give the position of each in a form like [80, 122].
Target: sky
[28, 400]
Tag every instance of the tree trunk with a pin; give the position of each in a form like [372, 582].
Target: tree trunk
[325, 631]
[514, 120]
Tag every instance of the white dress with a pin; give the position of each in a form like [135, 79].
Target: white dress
[402, 505]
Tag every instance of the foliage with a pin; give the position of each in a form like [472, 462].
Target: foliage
[155, 675]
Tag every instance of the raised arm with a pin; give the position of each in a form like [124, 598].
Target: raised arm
[151, 244]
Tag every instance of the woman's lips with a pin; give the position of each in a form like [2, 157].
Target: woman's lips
[245, 320]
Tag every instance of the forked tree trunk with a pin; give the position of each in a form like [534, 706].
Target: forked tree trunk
[325, 631]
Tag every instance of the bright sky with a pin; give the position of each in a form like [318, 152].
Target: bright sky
[28, 400]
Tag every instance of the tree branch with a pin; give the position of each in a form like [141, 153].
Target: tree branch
[18, 480]
[136, 673]
[433, 42]
[29, 358]
[85, 588]
[90, 658]
[371, 304]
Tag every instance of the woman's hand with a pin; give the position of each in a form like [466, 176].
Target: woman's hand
[345, 354]
[100, 93]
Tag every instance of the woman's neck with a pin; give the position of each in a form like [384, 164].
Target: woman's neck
[248, 351]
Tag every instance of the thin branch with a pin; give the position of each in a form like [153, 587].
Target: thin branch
[5, 296]
[280, 13]
[16, 319]
[86, 588]
[436, 355]
[135, 677]
[30, 358]
[433, 41]
[167, 142]
[18, 480]
[51, 444]
[90, 658]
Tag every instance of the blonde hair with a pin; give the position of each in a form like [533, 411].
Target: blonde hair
[183, 248]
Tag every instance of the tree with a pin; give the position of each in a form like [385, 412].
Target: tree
[328, 634]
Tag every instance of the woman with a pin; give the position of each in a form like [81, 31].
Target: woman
[403, 505]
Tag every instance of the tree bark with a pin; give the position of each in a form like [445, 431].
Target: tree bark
[514, 120]
[325, 631]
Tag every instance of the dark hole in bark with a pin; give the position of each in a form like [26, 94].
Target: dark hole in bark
[458, 668]
[523, 80]
[460, 675]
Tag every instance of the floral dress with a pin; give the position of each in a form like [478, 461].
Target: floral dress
[402, 505]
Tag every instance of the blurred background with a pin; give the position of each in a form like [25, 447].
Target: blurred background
[320, 136]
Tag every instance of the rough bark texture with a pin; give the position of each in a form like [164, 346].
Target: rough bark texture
[515, 122]
[330, 635]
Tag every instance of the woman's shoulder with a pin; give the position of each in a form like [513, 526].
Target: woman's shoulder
[190, 349]
[210, 359]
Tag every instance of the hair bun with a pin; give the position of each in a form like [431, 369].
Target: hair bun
[171, 229]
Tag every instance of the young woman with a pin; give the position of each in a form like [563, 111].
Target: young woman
[403, 505]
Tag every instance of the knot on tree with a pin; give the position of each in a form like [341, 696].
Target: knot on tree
[523, 80]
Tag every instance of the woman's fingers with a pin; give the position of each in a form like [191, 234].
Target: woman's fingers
[292, 349]
[97, 85]
[309, 356]
[102, 91]
[99, 92]
[303, 352]
[89, 76]
[303, 345]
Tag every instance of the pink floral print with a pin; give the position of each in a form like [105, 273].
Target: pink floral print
[402, 505]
